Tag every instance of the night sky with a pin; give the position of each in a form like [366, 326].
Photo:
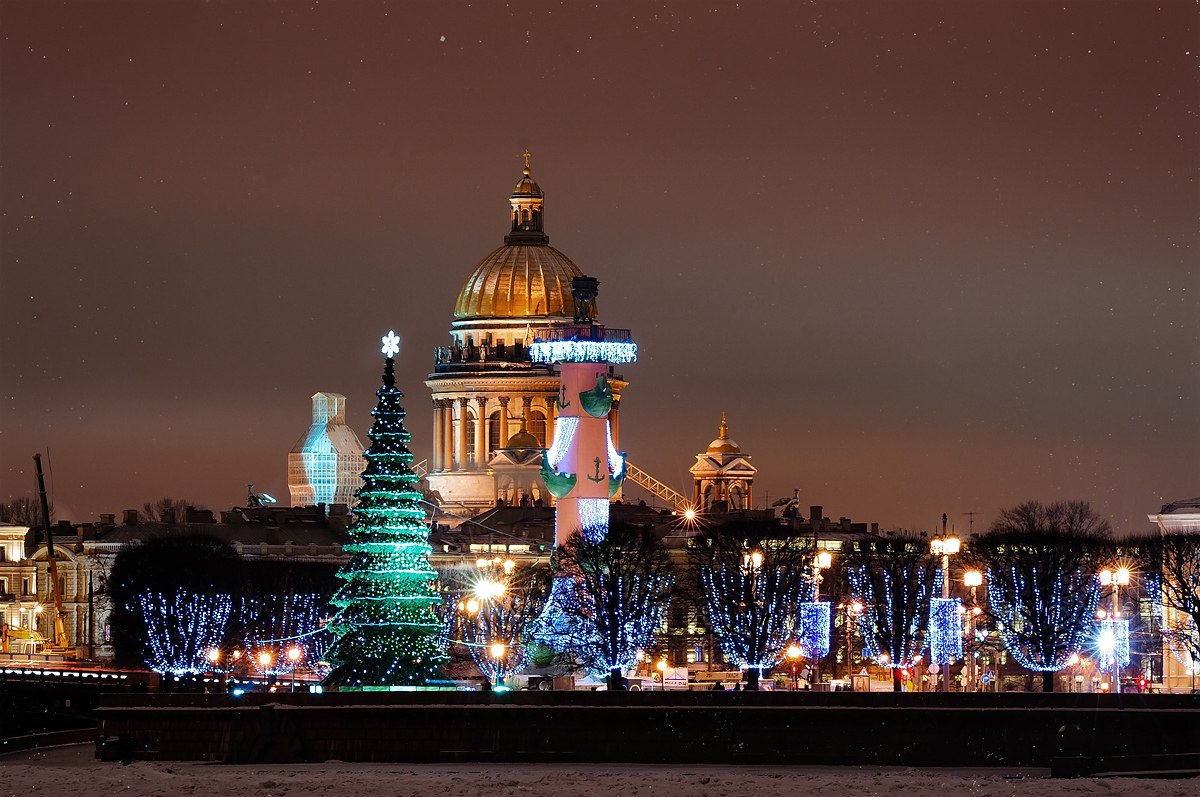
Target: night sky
[931, 257]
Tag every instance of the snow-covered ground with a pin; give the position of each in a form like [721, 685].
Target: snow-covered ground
[73, 771]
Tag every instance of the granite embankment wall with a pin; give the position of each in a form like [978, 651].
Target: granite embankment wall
[685, 727]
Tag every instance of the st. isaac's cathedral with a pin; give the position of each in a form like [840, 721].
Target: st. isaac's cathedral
[493, 408]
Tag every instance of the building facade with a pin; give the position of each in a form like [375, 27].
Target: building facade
[325, 465]
[484, 384]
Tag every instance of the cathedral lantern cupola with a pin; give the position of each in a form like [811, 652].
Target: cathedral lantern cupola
[526, 201]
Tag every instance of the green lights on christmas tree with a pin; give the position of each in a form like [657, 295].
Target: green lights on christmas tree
[387, 631]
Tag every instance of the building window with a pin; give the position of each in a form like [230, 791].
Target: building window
[537, 427]
[469, 420]
[25, 587]
[494, 431]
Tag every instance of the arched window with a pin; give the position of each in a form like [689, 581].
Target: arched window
[736, 499]
[494, 431]
[470, 421]
[537, 427]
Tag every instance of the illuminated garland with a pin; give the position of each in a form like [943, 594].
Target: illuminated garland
[593, 515]
[896, 610]
[564, 432]
[813, 634]
[616, 460]
[582, 351]
[386, 629]
[180, 629]
[1112, 643]
[1042, 627]
[277, 623]
[945, 630]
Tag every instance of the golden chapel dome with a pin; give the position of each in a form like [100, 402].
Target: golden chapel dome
[723, 445]
[525, 278]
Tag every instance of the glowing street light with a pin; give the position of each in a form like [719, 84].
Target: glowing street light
[793, 654]
[294, 653]
[662, 673]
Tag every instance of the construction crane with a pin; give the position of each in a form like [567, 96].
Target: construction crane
[60, 629]
[656, 488]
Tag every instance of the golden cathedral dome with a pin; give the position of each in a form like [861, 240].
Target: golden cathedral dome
[723, 445]
[519, 281]
[527, 277]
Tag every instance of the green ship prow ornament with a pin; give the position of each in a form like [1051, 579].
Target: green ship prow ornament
[597, 401]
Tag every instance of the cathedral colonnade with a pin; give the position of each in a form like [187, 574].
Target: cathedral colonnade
[469, 427]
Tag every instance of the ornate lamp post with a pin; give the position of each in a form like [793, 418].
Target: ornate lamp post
[822, 561]
[662, 674]
[945, 547]
[1109, 640]
[974, 580]
[793, 654]
[294, 653]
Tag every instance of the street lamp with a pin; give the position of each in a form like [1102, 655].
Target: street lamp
[822, 561]
[853, 610]
[793, 654]
[662, 673]
[974, 580]
[1116, 579]
[293, 655]
[945, 547]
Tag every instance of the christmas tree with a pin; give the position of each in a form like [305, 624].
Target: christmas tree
[386, 629]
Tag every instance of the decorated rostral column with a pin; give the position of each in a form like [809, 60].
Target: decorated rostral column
[582, 468]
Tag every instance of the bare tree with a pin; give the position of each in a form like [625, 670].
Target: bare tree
[895, 579]
[1041, 562]
[752, 579]
[609, 596]
[172, 508]
[24, 511]
[1174, 562]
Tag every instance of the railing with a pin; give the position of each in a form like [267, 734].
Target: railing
[655, 487]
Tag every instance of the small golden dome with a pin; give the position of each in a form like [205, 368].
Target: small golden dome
[723, 445]
[523, 439]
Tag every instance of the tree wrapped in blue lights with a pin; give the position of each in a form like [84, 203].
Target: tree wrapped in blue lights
[181, 627]
[172, 580]
[1041, 563]
[753, 580]
[386, 628]
[607, 599]
[896, 580]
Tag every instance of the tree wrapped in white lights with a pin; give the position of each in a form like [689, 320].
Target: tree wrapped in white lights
[754, 582]
[1042, 563]
[181, 627]
[387, 632]
[896, 580]
[609, 599]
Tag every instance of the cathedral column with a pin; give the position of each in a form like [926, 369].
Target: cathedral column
[435, 458]
[503, 421]
[447, 434]
[482, 455]
[463, 419]
[614, 422]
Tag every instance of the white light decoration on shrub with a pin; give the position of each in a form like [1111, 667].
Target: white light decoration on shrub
[945, 630]
[582, 351]
[815, 620]
[564, 433]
